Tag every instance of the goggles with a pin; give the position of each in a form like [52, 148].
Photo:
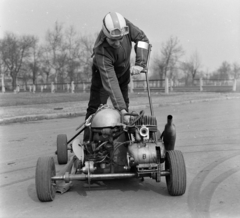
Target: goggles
[115, 33]
[119, 32]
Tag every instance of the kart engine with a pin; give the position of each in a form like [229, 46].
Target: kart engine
[114, 143]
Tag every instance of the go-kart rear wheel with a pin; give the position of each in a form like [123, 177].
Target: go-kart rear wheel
[45, 187]
[177, 180]
[62, 154]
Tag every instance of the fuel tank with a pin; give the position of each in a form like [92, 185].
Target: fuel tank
[169, 134]
[106, 117]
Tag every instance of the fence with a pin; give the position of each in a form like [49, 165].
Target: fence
[165, 85]
[199, 85]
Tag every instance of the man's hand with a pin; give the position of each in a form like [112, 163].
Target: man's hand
[135, 70]
[125, 118]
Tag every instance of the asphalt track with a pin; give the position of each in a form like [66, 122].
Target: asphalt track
[208, 134]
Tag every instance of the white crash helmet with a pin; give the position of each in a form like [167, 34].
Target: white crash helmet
[114, 25]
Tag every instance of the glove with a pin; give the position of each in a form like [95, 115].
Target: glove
[135, 70]
[126, 118]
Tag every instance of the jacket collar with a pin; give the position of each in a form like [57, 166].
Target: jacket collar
[99, 41]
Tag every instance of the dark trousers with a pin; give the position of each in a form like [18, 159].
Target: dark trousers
[98, 94]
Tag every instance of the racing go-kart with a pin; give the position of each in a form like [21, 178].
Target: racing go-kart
[116, 150]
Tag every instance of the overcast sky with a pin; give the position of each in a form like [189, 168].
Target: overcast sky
[210, 27]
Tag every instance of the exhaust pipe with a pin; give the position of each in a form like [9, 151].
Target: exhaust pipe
[169, 134]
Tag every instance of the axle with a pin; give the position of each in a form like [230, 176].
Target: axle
[83, 177]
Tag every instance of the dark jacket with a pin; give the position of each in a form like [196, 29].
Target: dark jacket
[113, 63]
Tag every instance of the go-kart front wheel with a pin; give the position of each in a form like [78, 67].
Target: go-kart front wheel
[177, 180]
[62, 154]
[45, 187]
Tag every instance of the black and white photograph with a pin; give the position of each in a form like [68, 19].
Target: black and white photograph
[120, 109]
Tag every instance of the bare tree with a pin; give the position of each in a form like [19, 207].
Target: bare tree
[224, 71]
[74, 52]
[70, 54]
[25, 73]
[158, 66]
[158, 69]
[15, 50]
[186, 69]
[34, 61]
[57, 47]
[174, 72]
[171, 52]
[236, 70]
[3, 71]
[45, 61]
[87, 41]
[61, 64]
[194, 65]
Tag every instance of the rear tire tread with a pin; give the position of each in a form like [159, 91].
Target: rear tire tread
[45, 188]
[176, 182]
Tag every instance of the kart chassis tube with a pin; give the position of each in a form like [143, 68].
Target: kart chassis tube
[79, 132]
[83, 177]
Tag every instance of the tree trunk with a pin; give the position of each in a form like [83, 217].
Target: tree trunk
[14, 82]
[56, 77]
[193, 77]
[161, 79]
[3, 84]
[186, 80]
[47, 77]
[34, 77]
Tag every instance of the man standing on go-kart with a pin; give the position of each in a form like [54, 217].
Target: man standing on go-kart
[111, 63]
